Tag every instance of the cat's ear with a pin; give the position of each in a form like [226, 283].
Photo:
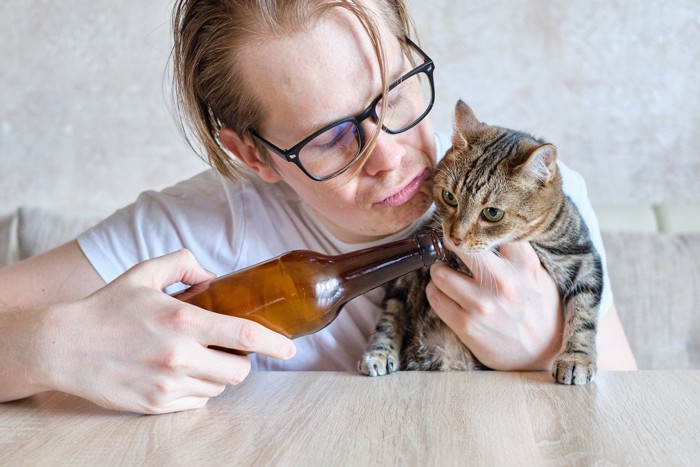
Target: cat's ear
[542, 163]
[467, 126]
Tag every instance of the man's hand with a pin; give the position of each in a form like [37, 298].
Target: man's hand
[129, 346]
[509, 314]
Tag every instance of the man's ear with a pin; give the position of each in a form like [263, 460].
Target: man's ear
[246, 152]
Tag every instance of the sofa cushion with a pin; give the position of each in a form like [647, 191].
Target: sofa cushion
[39, 229]
[656, 284]
[8, 239]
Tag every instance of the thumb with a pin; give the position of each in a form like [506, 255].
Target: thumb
[163, 271]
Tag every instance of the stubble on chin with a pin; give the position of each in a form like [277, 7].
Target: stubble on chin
[374, 228]
[419, 205]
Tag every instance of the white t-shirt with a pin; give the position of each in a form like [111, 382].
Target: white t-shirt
[231, 225]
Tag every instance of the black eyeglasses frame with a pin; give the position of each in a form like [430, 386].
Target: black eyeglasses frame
[292, 154]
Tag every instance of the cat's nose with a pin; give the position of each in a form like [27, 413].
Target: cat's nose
[456, 240]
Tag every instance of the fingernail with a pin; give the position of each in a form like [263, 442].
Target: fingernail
[291, 351]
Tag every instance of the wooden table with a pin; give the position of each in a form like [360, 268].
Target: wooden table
[411, 418]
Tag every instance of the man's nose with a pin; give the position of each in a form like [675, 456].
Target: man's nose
[386, 154]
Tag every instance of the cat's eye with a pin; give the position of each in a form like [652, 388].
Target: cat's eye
[493, 214]
[449, 198]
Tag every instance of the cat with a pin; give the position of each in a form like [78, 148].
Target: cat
[494, 185]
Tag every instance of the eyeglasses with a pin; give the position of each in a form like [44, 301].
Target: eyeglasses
[334, 148]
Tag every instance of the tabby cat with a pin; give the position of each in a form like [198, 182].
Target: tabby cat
[494, 185]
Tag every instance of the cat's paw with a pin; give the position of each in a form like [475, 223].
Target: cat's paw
[378, 363]
[573, 368]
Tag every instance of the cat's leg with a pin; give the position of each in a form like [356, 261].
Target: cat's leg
[384, 348]
[382, 354]
[577, 363]
[569, 255]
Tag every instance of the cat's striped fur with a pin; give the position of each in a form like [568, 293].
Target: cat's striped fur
[500, 169]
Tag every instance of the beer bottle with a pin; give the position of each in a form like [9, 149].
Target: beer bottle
[302, 292]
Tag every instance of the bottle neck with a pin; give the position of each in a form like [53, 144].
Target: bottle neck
[367, 269]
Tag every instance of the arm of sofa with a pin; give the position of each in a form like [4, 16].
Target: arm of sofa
[9, 251]
[655, 279]
[29, 231]
[675, 219]
[653, 262]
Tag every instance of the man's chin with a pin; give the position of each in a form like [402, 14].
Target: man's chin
[397, 221]
[388, 221]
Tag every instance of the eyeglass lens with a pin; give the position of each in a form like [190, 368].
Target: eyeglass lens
[337, 147]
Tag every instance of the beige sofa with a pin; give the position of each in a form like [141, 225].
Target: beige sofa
[653, 263]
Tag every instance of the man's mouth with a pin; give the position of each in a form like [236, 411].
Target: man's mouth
[405, 194]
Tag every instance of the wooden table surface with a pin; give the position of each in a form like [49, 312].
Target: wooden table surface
[410, 418]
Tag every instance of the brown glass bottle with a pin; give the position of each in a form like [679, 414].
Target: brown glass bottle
[301, 292]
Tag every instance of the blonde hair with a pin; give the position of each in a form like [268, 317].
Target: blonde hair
[209, 90]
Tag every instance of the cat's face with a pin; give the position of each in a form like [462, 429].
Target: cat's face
[493, 186]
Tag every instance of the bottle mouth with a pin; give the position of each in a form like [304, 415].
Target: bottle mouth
[431, 247]
[439, 248]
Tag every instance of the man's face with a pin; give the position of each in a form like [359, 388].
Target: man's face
[310, 79]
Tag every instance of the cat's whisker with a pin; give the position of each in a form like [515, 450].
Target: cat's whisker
[498, 253]
[480, 267]
[492, 276]
[483, 271]
[506, 260]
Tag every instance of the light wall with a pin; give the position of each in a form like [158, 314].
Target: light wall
[613, 83]
[85, 121]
